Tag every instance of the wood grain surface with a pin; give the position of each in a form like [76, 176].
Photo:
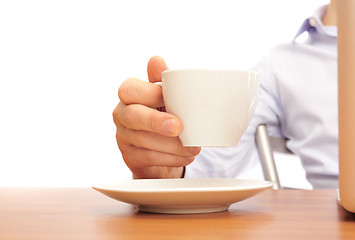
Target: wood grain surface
[69, 213]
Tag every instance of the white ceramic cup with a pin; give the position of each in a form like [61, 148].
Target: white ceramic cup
[215, 106]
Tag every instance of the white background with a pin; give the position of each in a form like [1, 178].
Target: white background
[61, 63]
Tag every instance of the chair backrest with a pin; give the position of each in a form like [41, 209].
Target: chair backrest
[266, 145]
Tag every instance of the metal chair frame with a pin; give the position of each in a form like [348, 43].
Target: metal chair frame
[266, 146]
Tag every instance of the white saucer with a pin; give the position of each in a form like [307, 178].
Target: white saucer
[182, 196]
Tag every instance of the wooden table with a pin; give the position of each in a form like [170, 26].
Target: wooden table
[69, 213]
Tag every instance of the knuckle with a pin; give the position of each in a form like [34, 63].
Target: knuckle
[121, 146]
[127, 115]
[129, 156]
[123, 89]
[120, 139]
[117, 112]
[115, 115]
[126, 91]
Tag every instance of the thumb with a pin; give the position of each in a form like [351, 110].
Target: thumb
[156, 66]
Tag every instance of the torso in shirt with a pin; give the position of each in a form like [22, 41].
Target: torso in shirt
[305, 76]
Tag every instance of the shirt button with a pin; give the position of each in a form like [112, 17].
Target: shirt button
[312, 22]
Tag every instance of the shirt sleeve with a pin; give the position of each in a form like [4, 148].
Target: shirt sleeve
[243, 160]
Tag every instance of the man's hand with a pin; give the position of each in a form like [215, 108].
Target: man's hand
[147, 137]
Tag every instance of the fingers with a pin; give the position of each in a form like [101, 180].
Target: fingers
[146, 137]
[145, 158]
[150, 155]
[135, 91]
[139, 117]
[157, 142]
[159, 172]
[156, 66]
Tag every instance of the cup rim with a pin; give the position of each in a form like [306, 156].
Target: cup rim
[208, 70]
